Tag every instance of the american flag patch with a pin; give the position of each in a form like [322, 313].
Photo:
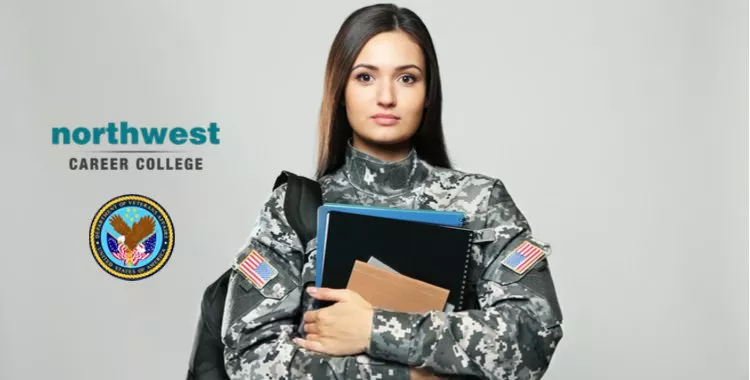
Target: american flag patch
[523, 257]
[257, 269]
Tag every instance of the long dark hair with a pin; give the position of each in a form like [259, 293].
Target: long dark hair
[357, 29]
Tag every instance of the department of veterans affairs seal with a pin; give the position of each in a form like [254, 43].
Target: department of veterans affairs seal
[131, 237]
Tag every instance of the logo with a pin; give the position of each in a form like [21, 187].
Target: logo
[125, 146]
[131, 237]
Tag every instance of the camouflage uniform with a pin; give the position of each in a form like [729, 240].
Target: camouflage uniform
[510, 333]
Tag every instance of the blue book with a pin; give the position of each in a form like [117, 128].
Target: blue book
[446, 218]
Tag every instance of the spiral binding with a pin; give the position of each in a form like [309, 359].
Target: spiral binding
[466, 272]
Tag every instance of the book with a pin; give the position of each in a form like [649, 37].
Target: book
[386, 289]
[448, 218]
[432, 253]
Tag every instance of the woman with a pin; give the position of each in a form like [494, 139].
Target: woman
[381, 143]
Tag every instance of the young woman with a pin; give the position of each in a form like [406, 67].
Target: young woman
[381, 144]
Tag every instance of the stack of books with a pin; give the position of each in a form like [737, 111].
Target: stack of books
[398, 259]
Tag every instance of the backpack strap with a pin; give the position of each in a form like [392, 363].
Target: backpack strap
[301, 202]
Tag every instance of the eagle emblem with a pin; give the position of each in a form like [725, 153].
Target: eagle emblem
[131, 237]
[135, 242]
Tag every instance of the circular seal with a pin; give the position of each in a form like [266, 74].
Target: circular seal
[131, 237]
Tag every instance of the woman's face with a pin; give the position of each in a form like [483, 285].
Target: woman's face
[385, 93]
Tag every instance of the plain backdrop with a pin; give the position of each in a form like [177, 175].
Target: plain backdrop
[619, 127]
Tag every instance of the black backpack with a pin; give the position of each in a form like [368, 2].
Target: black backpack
[303, 196]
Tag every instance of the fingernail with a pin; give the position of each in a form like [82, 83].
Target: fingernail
[297, 341]
[312, 290]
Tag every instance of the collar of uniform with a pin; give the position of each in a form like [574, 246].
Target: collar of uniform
[373, 175]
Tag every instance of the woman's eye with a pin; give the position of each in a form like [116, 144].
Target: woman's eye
[408, 79]
[364, 77]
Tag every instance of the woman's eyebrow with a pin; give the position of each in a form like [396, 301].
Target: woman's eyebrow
[375, 68]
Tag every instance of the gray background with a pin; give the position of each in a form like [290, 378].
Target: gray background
[619, 127]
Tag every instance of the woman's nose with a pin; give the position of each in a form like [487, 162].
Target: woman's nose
[386, 95]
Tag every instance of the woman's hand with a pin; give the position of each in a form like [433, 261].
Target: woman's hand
[421, 374]
[340, 329]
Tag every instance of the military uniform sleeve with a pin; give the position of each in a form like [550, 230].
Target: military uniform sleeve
[511, 335]
[260, 320]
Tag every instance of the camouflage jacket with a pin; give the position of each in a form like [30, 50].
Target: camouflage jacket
[510, 333]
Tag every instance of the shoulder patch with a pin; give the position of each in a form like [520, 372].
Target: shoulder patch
[524, 256]
[256, 269]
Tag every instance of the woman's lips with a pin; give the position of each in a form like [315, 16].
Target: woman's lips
[385, 120]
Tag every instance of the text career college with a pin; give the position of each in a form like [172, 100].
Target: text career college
[140, 163]
[114, 135]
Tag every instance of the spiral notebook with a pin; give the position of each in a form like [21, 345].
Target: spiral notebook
[450, 218]
[433, 253]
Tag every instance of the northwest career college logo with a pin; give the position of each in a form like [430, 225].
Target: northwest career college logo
[131, 237]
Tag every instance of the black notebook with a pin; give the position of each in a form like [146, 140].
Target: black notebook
[436, 254]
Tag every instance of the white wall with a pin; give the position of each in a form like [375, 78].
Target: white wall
[620, 128]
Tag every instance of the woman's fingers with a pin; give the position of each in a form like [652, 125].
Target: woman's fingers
[327, 294]
[312, 342]
[311, 328]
